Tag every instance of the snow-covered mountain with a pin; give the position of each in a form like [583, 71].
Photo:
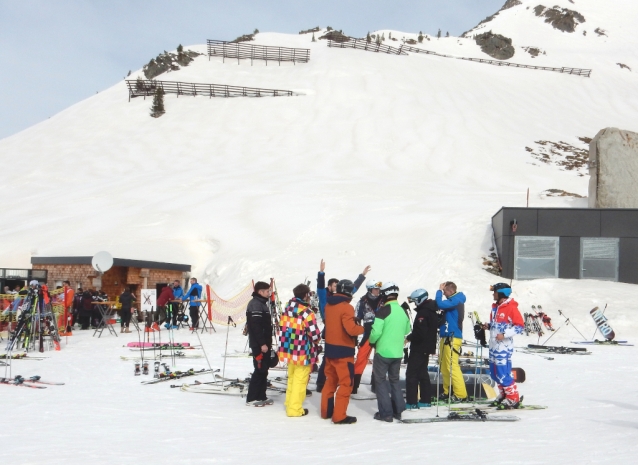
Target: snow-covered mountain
[394, 161]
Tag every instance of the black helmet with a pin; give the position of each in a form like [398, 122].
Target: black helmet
[501, 288]
[346, 287]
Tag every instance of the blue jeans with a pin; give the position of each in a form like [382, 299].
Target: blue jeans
[386, 376]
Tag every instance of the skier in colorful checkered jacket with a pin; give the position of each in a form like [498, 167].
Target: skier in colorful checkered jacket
[298, 347]
[505, 322]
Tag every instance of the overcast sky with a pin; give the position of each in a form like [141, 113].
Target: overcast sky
[58, 52]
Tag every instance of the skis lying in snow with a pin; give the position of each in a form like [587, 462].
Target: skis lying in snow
[38, 380]
[22, 356]
[229, 389]
[157, 344]
[177, 375]
[177, 354]
[533, 348]
[237, 354]
[489, 407]
[604, 343]
[161, 348]
[477, 415]
[19, 382]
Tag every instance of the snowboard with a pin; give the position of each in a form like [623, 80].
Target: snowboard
[601, 323]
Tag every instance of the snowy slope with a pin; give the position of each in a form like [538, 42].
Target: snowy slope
[394, 161]
[397, 162]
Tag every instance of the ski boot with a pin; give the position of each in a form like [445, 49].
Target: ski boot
[137, 369]
[509, 404]
[412, 406]
[145, 368]
[157, 369]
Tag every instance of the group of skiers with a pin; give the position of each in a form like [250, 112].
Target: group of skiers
[384, 326]
[169, 307]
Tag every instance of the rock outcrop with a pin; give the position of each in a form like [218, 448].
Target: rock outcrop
[562, 19]
[613, 167]
[495, 45]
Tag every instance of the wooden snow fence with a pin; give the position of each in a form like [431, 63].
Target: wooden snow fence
[576, 71]
[146, 88]
[244, 51]
[361, 44]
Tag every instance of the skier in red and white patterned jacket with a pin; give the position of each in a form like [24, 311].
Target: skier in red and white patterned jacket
[505, 322]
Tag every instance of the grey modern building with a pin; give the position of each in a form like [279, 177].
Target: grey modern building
[574, 243]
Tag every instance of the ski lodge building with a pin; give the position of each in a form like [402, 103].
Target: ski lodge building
[136, 274]
[572, 243]
[599, 242]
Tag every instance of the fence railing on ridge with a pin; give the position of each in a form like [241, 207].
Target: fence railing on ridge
[362, 44]
[147, 88]
[244, 51]
[576, 71]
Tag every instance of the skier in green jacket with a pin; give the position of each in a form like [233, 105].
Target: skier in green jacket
[390, 327]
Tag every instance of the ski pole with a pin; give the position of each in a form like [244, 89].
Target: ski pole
[594, 335]
[206, 355]
[449, 392]
[230, 321]
[438, 378]
[568, 321]
[139, 339]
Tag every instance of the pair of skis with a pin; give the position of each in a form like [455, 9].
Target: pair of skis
[33, 382]
[178, 375]
[477, 415]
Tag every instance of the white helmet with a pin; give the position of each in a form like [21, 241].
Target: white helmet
[389, 288]
[373, 284]
[33, 283]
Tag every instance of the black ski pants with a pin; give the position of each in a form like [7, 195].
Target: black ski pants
[259, 379]
[417, 377]
[125, 317]
[194, 311]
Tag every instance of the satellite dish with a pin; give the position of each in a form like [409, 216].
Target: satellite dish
[102, 262]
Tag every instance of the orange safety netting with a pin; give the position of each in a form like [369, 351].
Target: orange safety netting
[219, 309]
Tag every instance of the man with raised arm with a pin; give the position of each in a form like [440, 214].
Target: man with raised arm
[341, 332]
[322, 293]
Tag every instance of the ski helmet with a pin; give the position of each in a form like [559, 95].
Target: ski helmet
[389, 288]
[418, 296]
[33, 283]
[345, 287]
[502, 288]
[373, 284]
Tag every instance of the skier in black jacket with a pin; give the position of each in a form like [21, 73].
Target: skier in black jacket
[422, 344]
[259, 323]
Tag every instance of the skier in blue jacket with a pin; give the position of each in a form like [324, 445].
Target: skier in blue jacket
[451, 333]
[192, 295]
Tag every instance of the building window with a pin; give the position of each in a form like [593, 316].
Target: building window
[536, 257]
[599, 258]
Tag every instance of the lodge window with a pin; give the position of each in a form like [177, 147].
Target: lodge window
[536, 257]
[599, 258]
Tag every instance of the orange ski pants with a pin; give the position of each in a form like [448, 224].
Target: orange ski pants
[362, 358]
[335, 395]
